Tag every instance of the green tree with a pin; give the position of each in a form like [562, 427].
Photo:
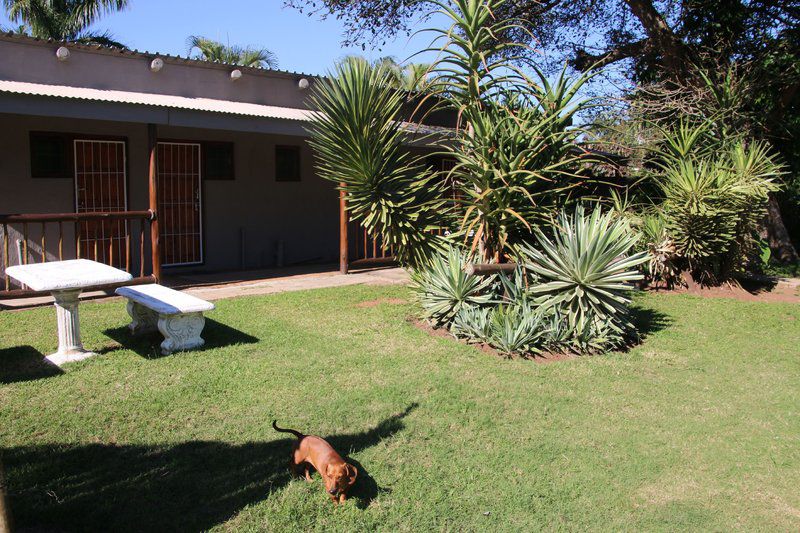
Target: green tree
[64, 20]
[512, 146]
[211, 50]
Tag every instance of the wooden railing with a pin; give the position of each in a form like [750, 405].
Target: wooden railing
[120, 239]
[366, 249]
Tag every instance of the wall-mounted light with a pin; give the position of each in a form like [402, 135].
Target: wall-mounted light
[62, 54]
[236, 75]
[156, 64]
[302, 84]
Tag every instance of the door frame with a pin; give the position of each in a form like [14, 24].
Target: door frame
[201, 209]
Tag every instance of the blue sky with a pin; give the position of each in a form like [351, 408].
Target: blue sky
[301, 43]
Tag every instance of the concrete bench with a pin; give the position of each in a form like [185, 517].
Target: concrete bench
[178, 316]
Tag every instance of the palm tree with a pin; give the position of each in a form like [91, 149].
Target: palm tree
[64, 20]
[411, 77]
[211, 50]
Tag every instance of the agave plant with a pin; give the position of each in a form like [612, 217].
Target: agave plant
[516, 329]
[445, 289]
[359, 140]
[473, 323]
[585, 268]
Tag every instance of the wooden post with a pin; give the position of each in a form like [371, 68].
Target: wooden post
[343, 244]
[152, 145]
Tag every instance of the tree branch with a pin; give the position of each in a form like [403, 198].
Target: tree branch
[584, 61]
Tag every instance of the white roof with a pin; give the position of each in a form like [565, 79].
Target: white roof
[159, 100]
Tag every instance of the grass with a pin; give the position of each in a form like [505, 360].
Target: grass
[696, 428]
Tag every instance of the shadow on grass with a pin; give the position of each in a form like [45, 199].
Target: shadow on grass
[648, 321]
[216, 335]
[25, 363]
[190, 486]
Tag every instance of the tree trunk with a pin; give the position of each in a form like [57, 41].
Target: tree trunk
[661, 36]
[776, 235]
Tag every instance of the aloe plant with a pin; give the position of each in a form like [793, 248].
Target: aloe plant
[585, 268]
[713, 202]
[513, 150]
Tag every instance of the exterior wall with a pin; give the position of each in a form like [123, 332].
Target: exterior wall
[29, 60]
[243, 219]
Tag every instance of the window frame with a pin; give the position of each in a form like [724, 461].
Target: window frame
[297, 150]
[204, 146]
[67, 162]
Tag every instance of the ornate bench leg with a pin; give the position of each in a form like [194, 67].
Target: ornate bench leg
[181, 332]
[143, 319]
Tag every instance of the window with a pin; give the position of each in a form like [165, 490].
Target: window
[287, 163]
[49, 156]
[218, 161]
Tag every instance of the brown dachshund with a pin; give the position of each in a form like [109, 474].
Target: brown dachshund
[314, 451]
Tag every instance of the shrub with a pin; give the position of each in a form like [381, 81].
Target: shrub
[586, 271]
[444, 288]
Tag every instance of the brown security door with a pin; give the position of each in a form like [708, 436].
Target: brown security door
[179, 203]
[100, 185]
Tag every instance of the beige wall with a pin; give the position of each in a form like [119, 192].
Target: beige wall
[28, 60]
[243, 219]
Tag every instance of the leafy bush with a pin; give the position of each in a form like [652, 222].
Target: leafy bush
[585, 269]
[444, 288]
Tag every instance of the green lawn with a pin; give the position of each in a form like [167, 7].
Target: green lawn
[697, 428]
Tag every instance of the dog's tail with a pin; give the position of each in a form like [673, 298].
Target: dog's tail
[292, 431]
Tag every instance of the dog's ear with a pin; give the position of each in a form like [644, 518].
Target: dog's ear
[353, 471]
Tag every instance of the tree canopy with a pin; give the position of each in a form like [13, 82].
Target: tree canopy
[649, 34]
[64, 20]
[211, 50]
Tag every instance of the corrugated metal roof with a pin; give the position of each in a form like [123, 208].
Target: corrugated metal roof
[158, 100]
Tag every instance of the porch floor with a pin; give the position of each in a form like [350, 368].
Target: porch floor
[217, 286]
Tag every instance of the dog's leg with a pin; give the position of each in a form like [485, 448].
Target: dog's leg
[342, 497]
[308, 476]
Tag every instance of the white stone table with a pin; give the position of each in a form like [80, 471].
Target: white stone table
[65, 280]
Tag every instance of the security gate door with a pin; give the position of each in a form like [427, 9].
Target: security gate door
[100, 185]
[179, 203]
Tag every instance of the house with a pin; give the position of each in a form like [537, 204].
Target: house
[160, 164]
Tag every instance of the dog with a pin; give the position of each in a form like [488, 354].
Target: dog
[310, 450]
